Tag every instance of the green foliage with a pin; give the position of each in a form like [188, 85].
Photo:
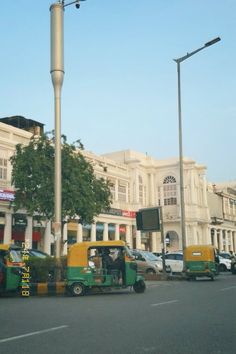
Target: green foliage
[45, 269]
[83, 194]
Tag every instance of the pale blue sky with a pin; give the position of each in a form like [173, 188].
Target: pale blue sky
[120, 85]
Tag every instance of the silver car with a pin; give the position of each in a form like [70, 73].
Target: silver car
[146, 262]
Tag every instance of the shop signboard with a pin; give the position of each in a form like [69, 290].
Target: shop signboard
[6, 195]
[19, 220]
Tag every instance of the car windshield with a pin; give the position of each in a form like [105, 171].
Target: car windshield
[150, 256]
[225, 255]
[15, 256]
[37, 254]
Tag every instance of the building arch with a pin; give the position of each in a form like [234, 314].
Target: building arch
[172, 240]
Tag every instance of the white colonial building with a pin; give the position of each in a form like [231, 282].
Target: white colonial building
[138, 181]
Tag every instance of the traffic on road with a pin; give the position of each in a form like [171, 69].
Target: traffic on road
[171, 317]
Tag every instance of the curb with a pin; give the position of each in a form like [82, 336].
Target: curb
[158, 277]
[54, 288]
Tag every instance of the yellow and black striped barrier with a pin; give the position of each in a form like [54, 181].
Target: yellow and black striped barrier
[54, 288]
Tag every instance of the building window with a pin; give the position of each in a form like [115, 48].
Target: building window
[113, 188]
[122, 191]
[141, 191]
[3, 169]
[170, 191]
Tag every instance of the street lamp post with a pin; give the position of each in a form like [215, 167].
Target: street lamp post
[181, 176]
[57, 75]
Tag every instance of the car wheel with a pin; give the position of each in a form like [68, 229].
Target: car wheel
[150, 271]
[77, 289]
[139, 286]
[222, 268]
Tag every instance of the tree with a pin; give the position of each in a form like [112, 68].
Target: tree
[83, 194]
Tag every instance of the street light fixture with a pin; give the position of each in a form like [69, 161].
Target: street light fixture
[182, 206]
[57, 75]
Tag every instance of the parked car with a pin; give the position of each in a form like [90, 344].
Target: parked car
[225, 264]
[173, 261]
[37, 253]
[31, 251]
[146, 262]
[226, 255]
[157, 254]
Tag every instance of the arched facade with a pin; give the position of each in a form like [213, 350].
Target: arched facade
[138, 181]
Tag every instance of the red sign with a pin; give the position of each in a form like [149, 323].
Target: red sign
[129, 214]
[122, 229]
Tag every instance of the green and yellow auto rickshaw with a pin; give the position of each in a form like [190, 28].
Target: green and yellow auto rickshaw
[103, 265]
[10, 268]
[200, 261]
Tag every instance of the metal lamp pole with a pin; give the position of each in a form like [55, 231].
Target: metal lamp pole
[57, 75]
[182, 205]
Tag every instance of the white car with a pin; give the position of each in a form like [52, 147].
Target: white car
[224, 264]
[173, 261]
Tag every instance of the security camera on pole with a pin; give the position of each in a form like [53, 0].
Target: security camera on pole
[57, 75]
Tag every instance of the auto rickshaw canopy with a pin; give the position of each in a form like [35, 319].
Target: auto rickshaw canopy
[199, 253]
[78, 252]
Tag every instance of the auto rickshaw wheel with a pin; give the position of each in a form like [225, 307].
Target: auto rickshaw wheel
[77, 289]
[139, 286]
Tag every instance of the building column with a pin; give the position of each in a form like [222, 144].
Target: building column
[93, 233]
[128, 235]
[138, 240]
[234, 239]
[220, 240]
[231, 240]
[154, 242]
[226, 241]
[105, 231]
[117, 232]
[64, 239]
[136, 196]
[204, 186]
[7, 237]
[207, 236]
[192, 189]
[29, 231]
[215, 241]
[152, 190]
[79, 233]
[47, 237]
[194, 235]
